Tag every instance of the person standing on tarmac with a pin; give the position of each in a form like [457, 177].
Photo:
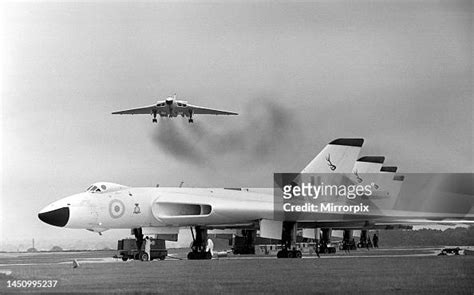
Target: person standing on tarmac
[375, 240]
[148, 247]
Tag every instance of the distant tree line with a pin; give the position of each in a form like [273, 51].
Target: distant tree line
[56, 249]
[427, 237]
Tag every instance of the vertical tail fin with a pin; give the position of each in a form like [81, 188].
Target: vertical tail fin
[369, 164]
[338, 156]
[387, 184]
[386, 181]
[367, 170]
[389, 190]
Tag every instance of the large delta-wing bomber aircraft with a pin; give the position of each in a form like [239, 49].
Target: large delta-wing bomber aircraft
[164, 210]
[171, 107]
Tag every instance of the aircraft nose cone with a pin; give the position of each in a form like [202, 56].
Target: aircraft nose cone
[58, 217]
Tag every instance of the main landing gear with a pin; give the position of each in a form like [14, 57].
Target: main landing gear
[286, 253]
[289, 242]
[154, 117]
[199, 246]
[190, 117]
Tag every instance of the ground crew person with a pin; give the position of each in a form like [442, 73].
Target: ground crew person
[375, 239]
[148, 247]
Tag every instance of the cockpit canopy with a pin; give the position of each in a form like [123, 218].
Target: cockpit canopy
[104, 187]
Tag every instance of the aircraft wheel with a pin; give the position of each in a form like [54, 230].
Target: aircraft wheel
[191, 255]
[124, 258]
[162, 257]
[155, 121]
[190, 120]
[298, 254]
[208, 255]
[144, 256]
[291, 254]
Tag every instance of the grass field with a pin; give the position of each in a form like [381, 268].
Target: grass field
[429, 274]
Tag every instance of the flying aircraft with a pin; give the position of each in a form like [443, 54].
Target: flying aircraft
[164, 210]
[171, 107]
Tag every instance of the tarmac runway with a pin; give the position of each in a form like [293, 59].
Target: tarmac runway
[375, 271]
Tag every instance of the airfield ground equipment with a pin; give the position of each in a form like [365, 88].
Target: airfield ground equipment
[127, 249]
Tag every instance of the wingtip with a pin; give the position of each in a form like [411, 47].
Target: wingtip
[356, 142]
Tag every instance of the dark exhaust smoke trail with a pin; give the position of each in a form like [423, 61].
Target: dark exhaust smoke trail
[262, 130]
[171, 137]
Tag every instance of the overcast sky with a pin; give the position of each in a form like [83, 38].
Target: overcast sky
[397, 73]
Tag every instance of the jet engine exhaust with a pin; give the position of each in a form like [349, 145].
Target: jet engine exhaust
[263, 127]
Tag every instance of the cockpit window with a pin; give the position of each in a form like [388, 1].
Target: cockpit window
[95, 189]
[104, 187]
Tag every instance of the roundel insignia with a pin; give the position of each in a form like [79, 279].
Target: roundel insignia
[116, 208]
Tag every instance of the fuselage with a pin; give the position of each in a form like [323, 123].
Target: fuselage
[172, 108]
[124, 207]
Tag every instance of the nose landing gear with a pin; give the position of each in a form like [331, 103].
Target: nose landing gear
[199, 247]
[137, 232]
